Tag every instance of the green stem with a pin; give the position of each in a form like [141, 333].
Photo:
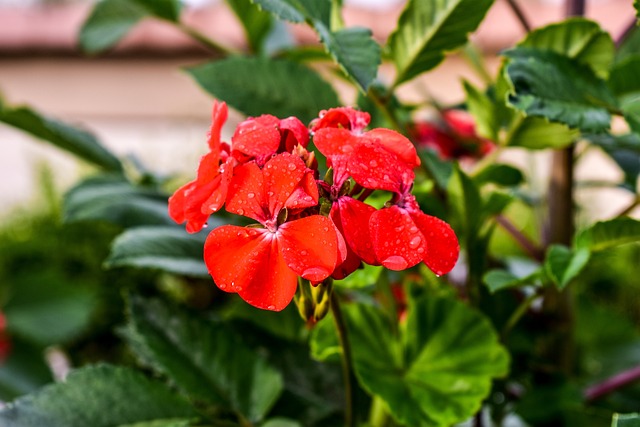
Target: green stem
[346, 360]
[515, 317]
[383, 106]
[213, 46]
[378, 415]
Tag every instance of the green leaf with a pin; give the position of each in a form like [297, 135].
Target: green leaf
[281, 422]
[501, 174]
[550, 85]
[324, 342]
[576, 38]
[163, 423]
[630, 45]
[484, 112]
[428, 29]
[626, 420]
[297, 11]
[256, 23]
[74, 140]
[45, 309]
[111, 20]
[440, 170]
[563, 265]
[258, 86]
[608, 234]
[206, 360]
[466, 204]
[625, 151]
[624, 82]
[167, 249]
[538, 133]
[97, 396]
[438, 371]
[497, 280]
[113, 199]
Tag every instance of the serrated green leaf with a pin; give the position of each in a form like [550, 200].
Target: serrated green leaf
[167, 249]
[97, 396]
[484, 112]
[113, 199]
[501, 174]
[608, 234]
[428, 29]
[625, 151]
[111, 20]
[76, 141]
[256, 23]
[562, 264]
[258, 86]
[626, 420]
[576, 38]
[624, 82]
[440, 369]
[206, 360]
[560, 89]
[298, 11]
[538, 133]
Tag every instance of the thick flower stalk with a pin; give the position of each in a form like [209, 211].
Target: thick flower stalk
[306, 227]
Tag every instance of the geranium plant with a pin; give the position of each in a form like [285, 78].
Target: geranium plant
[345, 261]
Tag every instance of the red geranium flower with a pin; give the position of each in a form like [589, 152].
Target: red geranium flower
[262, 264]
[5, 343]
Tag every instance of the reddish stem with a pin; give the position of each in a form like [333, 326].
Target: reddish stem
[612, 384]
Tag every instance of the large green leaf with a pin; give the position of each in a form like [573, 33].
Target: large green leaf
[258, 86]
[206, 360]
[576, 38]
[625, 420]
[624, 82]
[113, 199]
[559, 88]
[76, 141]
[625, 151]
[538, 133]
[111, 20]
[352, 48]
[440, 369]
[608, 234]
[256, 23]
[168, 249]
[98, 396]
[428, 29]
[562, 264]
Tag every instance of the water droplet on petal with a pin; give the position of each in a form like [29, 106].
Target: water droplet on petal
[271, 307]
[240, 211]
[303, 253]
[222, 286]
[420, 250]
[399, 228]
[413, 229]
[415, 242]
[291, 166]
[326, 229]
[395, 262]
[373, 163]
[250, 195]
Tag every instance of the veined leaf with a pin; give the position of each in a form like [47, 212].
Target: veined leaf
[538, 133]
[608, 234]
[168, 249]
[625, 151]
[256, 23]
[562, 264]
[97, 396]
[576, 38]
[440, 369]
[550, 85]
[428, 29]
[484, 112]
[258, 86]
[76, 141]
[206, 360]
[624, 82]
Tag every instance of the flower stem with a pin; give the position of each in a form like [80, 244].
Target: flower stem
[612, 384]
[383, 106]
[634, 204]
[515, 317]
[525, 243]
[211, 45]
[346, 359]
[517, 10]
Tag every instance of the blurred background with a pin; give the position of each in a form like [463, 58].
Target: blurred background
[137, 101]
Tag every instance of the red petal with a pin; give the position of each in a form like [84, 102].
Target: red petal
[335, 142]
[352, 216]
[219, 195]
[343, 117]
[257, 136]
[305, 194]
[282, 175]
[397, 241]
[310, 247]
[218, 117]
[246, 192]
[461, 122]
[293, 132]
[249, 261]
[376, 168]
[442, 243]
[395, 143]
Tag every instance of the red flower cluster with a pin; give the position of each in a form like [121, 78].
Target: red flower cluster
[454, 138]
[308, 227]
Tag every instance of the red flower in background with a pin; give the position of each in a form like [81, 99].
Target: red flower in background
[454, 138]
[5, 343]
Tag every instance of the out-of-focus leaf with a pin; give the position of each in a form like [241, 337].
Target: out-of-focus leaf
[538, 133]
[560, 89]
[576, 38]
[625, 151]
[497, 280]
[256, 23]
[501, 174]
[496, 203]
[630, 45]
[427, 30]
[111, 20]
[113, 199]
[206, 360]
[466, 204]
[626, 420]
[562, 264]
[440, 170]
[438, 371]
[167, 249]
[483, 110]
[24, 371]
[624, 82]
[285, 324]
[281, 422]
[324, 342]
[608, 234]
[76, 141]
[97, 396]
[258, 86]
